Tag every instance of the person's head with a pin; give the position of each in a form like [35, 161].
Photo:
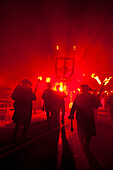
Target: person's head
[49, 85]
[85, 88]
[26, 82]
[58, 87]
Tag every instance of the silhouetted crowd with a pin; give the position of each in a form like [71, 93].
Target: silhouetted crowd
[85, 105]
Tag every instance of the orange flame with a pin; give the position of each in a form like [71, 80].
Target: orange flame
[57, 47]
[40, 78]
[48, 79]
[70, 105]
[78, 89]
[106, 80]
[62, 88]
[74, 47]
[96, 78]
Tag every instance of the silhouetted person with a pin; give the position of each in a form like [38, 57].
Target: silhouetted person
[23, 97]
[48, 97]
[60, 99]
[97, 96]
[110, 103]
[84, 104]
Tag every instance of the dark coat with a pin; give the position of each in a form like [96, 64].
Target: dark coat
[48, 96]
[60, 97]
[60, 101]
[23, 97]
[84, 104]
[110, 103]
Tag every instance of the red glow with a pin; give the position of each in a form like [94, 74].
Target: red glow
[74, 47]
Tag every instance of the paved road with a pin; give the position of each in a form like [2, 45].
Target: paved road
[57, 148]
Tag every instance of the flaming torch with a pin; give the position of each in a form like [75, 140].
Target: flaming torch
[96, 78]
[39, 79]
[48, 79]
[106, 80]
[62, 87]
[57, 47]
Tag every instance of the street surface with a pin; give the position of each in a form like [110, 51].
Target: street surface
[57, 148]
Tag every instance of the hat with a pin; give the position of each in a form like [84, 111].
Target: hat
[26, 81]
[86, 87]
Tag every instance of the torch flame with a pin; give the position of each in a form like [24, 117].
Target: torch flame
[96, 78]
[62, 87]
[74, 47]
[40, 78]
[106, 80]
[57, 47]
[78, 89]
[70, 105]
[48, 79]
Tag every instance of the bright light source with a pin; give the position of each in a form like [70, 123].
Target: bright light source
[78, 89]
[74, 47]
[70, 105]
[57, 47]
[106, 80]
[62, 87]
[48, 79]
[96, 78]
[40, 78]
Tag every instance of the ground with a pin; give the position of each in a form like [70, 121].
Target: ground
[57, 148]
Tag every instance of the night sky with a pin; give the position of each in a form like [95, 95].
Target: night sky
[30, 31]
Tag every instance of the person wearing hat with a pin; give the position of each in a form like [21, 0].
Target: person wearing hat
[84, 104]
[23, 96]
